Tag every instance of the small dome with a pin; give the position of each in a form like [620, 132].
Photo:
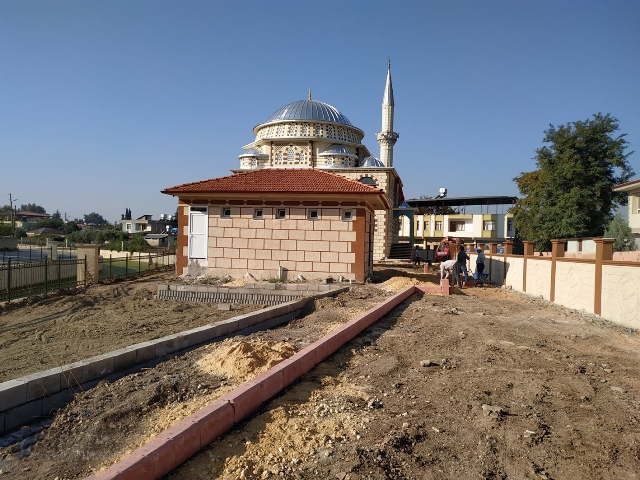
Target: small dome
[404, 204]
[252, 152]
[371, 162]
[309, 110]
[334, 150]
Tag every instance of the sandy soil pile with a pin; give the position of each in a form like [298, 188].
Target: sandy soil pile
[482, 384]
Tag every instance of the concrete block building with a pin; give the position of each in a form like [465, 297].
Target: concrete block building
[273, 222]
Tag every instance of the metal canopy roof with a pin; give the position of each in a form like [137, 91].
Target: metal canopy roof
[461, 201]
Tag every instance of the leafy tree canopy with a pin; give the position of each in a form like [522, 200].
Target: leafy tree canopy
[438, 210]
[5, 230]
[70, 227]
[621, 231]
[50, 223]
[570, 194]
[33, 208]
[57, 215]
[94, 218]
[98, 235]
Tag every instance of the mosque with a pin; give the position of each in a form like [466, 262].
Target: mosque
[308, 200]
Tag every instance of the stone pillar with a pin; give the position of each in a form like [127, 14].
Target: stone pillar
[604, 253]
[508, 247]
[557, 251]
[54, 249]
[528, 248]
[528, 252]
[91, 253]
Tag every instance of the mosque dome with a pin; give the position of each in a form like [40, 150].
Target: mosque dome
[336, 150]
[371, 162]
[252, 152]
[310, 110]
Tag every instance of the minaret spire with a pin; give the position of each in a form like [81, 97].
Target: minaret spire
[309, 94]
[387, 137]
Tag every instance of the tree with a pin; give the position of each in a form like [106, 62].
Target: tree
[70, 227]
[621, 231]
[570, 194]
[436, 210]
[50, 223]
[94, 218]
[33, 208]
[56, 215]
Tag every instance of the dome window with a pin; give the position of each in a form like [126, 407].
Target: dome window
[293, 129]
[291, 155]
[368, 181]
[317, 130]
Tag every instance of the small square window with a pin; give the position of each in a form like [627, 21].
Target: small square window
[347, 215]
[258, 214]
[313, 214]
[226, 213]
[281, 214]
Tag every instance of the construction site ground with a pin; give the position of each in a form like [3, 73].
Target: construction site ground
[482, 384]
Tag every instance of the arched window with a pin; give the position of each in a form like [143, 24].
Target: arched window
[254, 162]
[279, 157]
[305, 129]
[291, 155]
[280, 130]
[329, 162]
[303, 157]
[368, 181]
[293, 130]
[330, 132]
[317, 130]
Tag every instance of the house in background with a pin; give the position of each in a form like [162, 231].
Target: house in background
[159, 240]
[146, 224]
[491, 224]
[268, 222]
[25, 220]
[632, 189]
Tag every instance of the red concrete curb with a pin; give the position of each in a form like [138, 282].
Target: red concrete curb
[171, 448]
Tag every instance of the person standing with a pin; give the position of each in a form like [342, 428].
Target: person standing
[479, 264]
[417, 259]
[461, 264]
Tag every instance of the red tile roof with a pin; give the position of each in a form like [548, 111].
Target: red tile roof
[277, 180]
[626, 184]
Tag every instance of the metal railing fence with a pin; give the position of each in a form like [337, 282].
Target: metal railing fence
[135, 265]
[26, 279]
[36, 253]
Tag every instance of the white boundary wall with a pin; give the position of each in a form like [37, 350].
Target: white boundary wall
[575, 284]
[621, 295]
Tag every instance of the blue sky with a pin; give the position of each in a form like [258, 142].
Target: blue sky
[105, 103]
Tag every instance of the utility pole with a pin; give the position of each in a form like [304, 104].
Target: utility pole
[13, 215]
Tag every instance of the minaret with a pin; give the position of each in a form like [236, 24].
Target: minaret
[387, 138]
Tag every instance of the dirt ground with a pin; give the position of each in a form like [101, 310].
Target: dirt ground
[483, 384]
